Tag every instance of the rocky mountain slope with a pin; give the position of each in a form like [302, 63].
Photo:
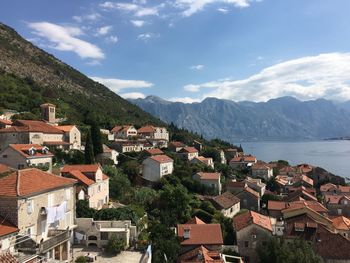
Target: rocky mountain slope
[29, 76]
[284, 118]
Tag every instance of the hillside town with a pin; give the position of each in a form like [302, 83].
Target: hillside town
[130, 193]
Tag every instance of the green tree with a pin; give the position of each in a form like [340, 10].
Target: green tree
[115, 245]
[131, 169]
[119, 184]
[96, 138]
[210, 152]
[276, 251]
[272, 185]
[83, 209]
[89, 149]
[81, 259]
[164, 243]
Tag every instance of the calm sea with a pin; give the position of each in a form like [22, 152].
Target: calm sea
[333, 156]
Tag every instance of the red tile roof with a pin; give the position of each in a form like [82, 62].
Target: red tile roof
[341, 223]
[188, 150]
[23, 149]
[200, 255]
[4, 168]
[31, 181]
[209, 176]
[204, 160]
[195, 220]
[121, 128]
[146, 129]
[177, 144]
[250, 217]
[286, 206]
[37, 126]
[201, 234]
[84, 168]
[161, 158]
[154, 151]
[339, 188]
[233, 184]
[251, 191]
[6, 228]
[225, 200]
[81, 177]
[65, 128]
[5, 122]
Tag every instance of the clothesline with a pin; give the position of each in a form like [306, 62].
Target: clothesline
[56, 213]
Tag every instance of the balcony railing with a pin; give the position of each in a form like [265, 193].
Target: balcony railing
[57, 238]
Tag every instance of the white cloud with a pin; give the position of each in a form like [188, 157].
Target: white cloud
[133, 95]
[146, 36]
[322, 76]
[136, 9]
[112, 39]
[184, 99]
[223, 10]
[90, 17]
[102, 31]
[65, 39]
[197, 67]
[137, 23]
[118, 84]
[191, 7]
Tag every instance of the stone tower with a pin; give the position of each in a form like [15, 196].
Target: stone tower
[48, 112]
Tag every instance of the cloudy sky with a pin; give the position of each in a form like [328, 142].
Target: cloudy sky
[186, 50]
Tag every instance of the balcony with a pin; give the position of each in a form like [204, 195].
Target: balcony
[56, 237]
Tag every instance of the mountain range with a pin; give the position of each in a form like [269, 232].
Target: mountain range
[284, 118]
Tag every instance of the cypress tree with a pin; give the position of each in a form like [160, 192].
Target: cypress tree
[96, 138]
[89, 150]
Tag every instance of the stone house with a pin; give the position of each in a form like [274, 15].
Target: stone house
[42, 206]
[203, 160]
[242, 161]
[211, 180]
[151, 132]
[8, 233]
[124, 132]
[249, 198]
[93, 184]
[32, 132]
[20, 156]
[72, 135]
[157, 166]
[227, 203]
[97, 233]
[256, 184]
[188, 153]
[252, 229]
[261, 170]
[176, 146]
[108, 154]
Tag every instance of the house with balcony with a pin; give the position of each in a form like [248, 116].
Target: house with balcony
[157, 166]
[42, 206]
[97, 233]
[93, 184]
[20, 156]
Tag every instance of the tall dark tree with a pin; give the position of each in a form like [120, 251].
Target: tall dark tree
[89, 149]
[96, 138]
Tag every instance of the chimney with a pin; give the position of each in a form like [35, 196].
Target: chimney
[187, 232]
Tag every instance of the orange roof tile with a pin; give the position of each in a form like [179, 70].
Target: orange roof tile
[225, 200]
[84, 168]
[341, 223]
[251, 191]
[177, 144]
[81, 177]
[5, 122]
[4, 168]
[209, 176]
[195, 220]
[65, 128]
[161, 158]
[146, 129]
[37, 126]
[287, 206]
[250, 217]
[6, 228]
[188, 150]
[200, 255]
[201, 234]
[23, 149]
[31, 181]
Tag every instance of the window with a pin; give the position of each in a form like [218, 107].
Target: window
[339, 211]
[104, 235]
[30, 206]
[4, 156]
[246, 243]
[20, 166]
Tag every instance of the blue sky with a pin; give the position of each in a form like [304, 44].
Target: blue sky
[186, 50]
